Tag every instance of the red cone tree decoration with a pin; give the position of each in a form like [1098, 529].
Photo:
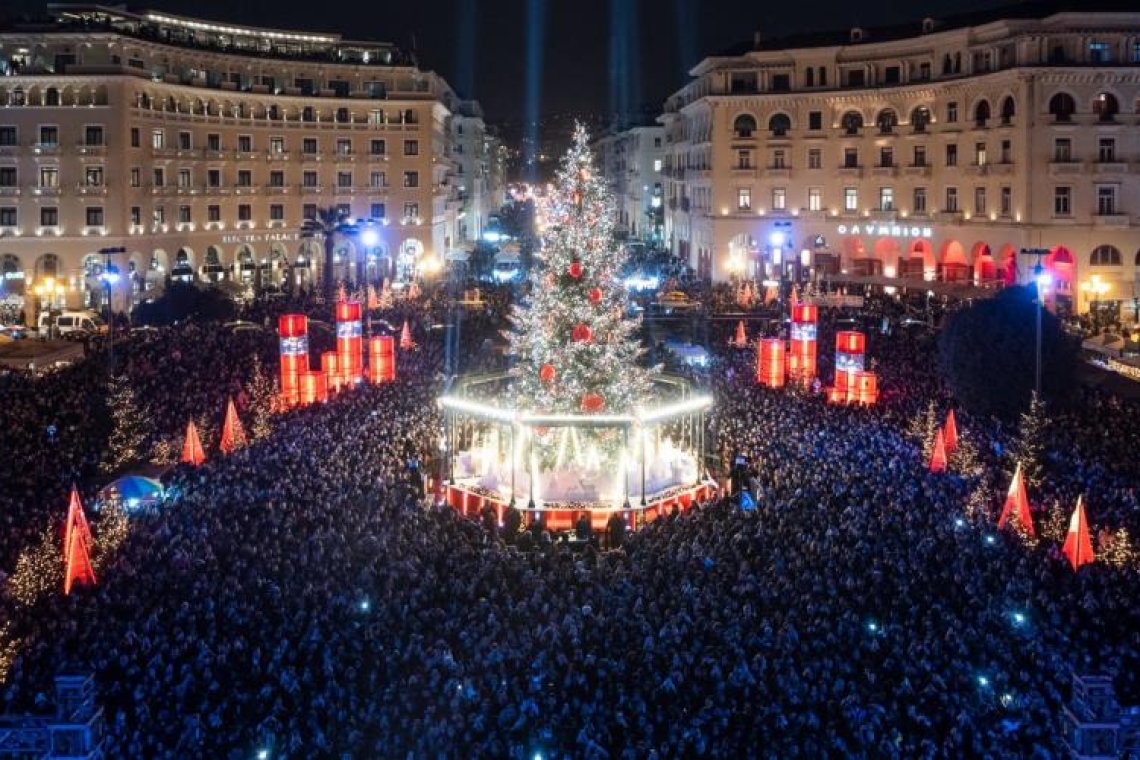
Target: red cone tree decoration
[1078, 544]
[233, 434]
[76, 546]
[406, 336]
[192, 452]
[938, 454]
[950, 432]
[741, 338]
[1017, 504]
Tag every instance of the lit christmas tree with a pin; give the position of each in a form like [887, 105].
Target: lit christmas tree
[1029, 448]
[128, 432]
[574, 351]
[262, 391]
[1118, 551]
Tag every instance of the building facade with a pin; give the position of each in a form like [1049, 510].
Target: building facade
[632, 161]
[943, 150]
[202, 148]
[479, 191]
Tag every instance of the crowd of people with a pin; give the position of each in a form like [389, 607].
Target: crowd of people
[301, 597]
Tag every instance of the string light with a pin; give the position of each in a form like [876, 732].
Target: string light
[38, 571]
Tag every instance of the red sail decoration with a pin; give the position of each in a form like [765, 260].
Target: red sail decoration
[192, 452]
[950, 432]
[406, 341]
[1017, 504]
[233, 434]
[1078, 544]
[938, 455]
[77, 544]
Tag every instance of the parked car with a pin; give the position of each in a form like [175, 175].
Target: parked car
[70, 323]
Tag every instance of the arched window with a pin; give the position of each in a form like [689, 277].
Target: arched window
[1106, 256]
[886, 121]
[1106, 106]
[920, 118]
[1062, 106]
[852, 122]
[51, 97]
[1008, 110]
[982, 113]
[779, 124]
[744, 125]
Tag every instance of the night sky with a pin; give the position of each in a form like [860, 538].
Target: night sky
[654, 42]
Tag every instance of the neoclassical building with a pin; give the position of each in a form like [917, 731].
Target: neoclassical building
[940, 150]
[632, 160]
[201, 148]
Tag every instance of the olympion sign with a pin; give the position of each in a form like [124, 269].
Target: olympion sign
[886, 230]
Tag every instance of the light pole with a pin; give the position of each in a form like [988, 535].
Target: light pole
[110, 276]
[1041, 280]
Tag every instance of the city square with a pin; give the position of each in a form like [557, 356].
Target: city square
[788, 413]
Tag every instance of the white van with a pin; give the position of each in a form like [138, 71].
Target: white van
[71, 322]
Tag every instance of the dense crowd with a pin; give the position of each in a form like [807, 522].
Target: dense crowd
[299, 596]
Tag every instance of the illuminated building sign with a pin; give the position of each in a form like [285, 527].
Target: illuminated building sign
[886, 230]
[261, 237]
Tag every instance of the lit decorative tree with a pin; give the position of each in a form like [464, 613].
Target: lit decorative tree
[128, 432]
[923, 428]
[574, 351]
[1029, 448]
[262, 391]
[1119, 551]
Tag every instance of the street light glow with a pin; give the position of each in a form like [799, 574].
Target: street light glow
[370, 237]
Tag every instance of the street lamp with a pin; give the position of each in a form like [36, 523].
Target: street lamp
[1042, 279]
[110, 277]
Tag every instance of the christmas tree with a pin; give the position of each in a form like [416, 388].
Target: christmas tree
[262, 392]
[574, 351]
[1029, 448]
[127, 429]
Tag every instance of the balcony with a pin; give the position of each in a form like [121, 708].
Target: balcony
[245, 189]
[850, 171]
[778, 172]
[216, 154]
[246, 155]
[164, 153]
[277, 155]
[1064, 168]
[976, 170]
[1110, 167]
[83, 189]
[917, 170]
[1111, 221]
[218, 190]
[1003, 168]
[885, 171]
[91, 151]
[344, 158]
[45, 149]
[276, 189]
[311, 189]
[44, 191]
[9, 190]
[308, 156]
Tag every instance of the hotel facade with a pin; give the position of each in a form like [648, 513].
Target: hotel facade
[202, 148]
[967, 151]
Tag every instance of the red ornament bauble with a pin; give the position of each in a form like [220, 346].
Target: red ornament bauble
[595, 296]
[593, 402]
[576, 269]
[581, 333]
[541, 431]
[546, 373]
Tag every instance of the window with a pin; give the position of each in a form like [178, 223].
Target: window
[49, 136]
[952, 112]
[159, 176]
[8, 176]
[136, 216]
[982, 114]
[411, 210]
[1106, 256]
[1008, 110]
[276, 212]
[743, 159]
[1006, 151]
[344, 147]
[852, 122]
[309, 179]
[344, 179]
[744, 126]
[980, 154]
[1062, 107]
[49, 216]
[245, 212]
[886, 157]
[1106, 200]
[951, 200]
[245, 178]
[815, 120]
[1006, 200]
[657, 164]
[411, 179]
[93, 136]
[377, 179]
[952, 155]
[277, 178]
[1062, 201]
[1099, 52]
[886, 121]
[411, 147]
[135, 138]
[214, 178]
[309, 211]
[779, 160]
[213, 141]
[980, 201]
[309, 146]
[277, 145]
[1106, 106]
[377, 147]
[245, 144]
[1062, 150]
[184, 141]
[779, 198]
[886, 199]
[94, 216]
[49, 176]
[213, 213]
[136, 177]
[184, 214]
[920, 118]
[892, 75]
[185, 180]
[1136, 52]
[158, 214]
[157, 139]
[920, 200]
[8, 136]
[856, 78]
[850, 158]
[850, 199]
[815, 199]
[8, 216]
[815, 158]
[781, 82]
[1106, 150]
[920, 155]
[779, 125]
[744, 199]
[377, 211]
